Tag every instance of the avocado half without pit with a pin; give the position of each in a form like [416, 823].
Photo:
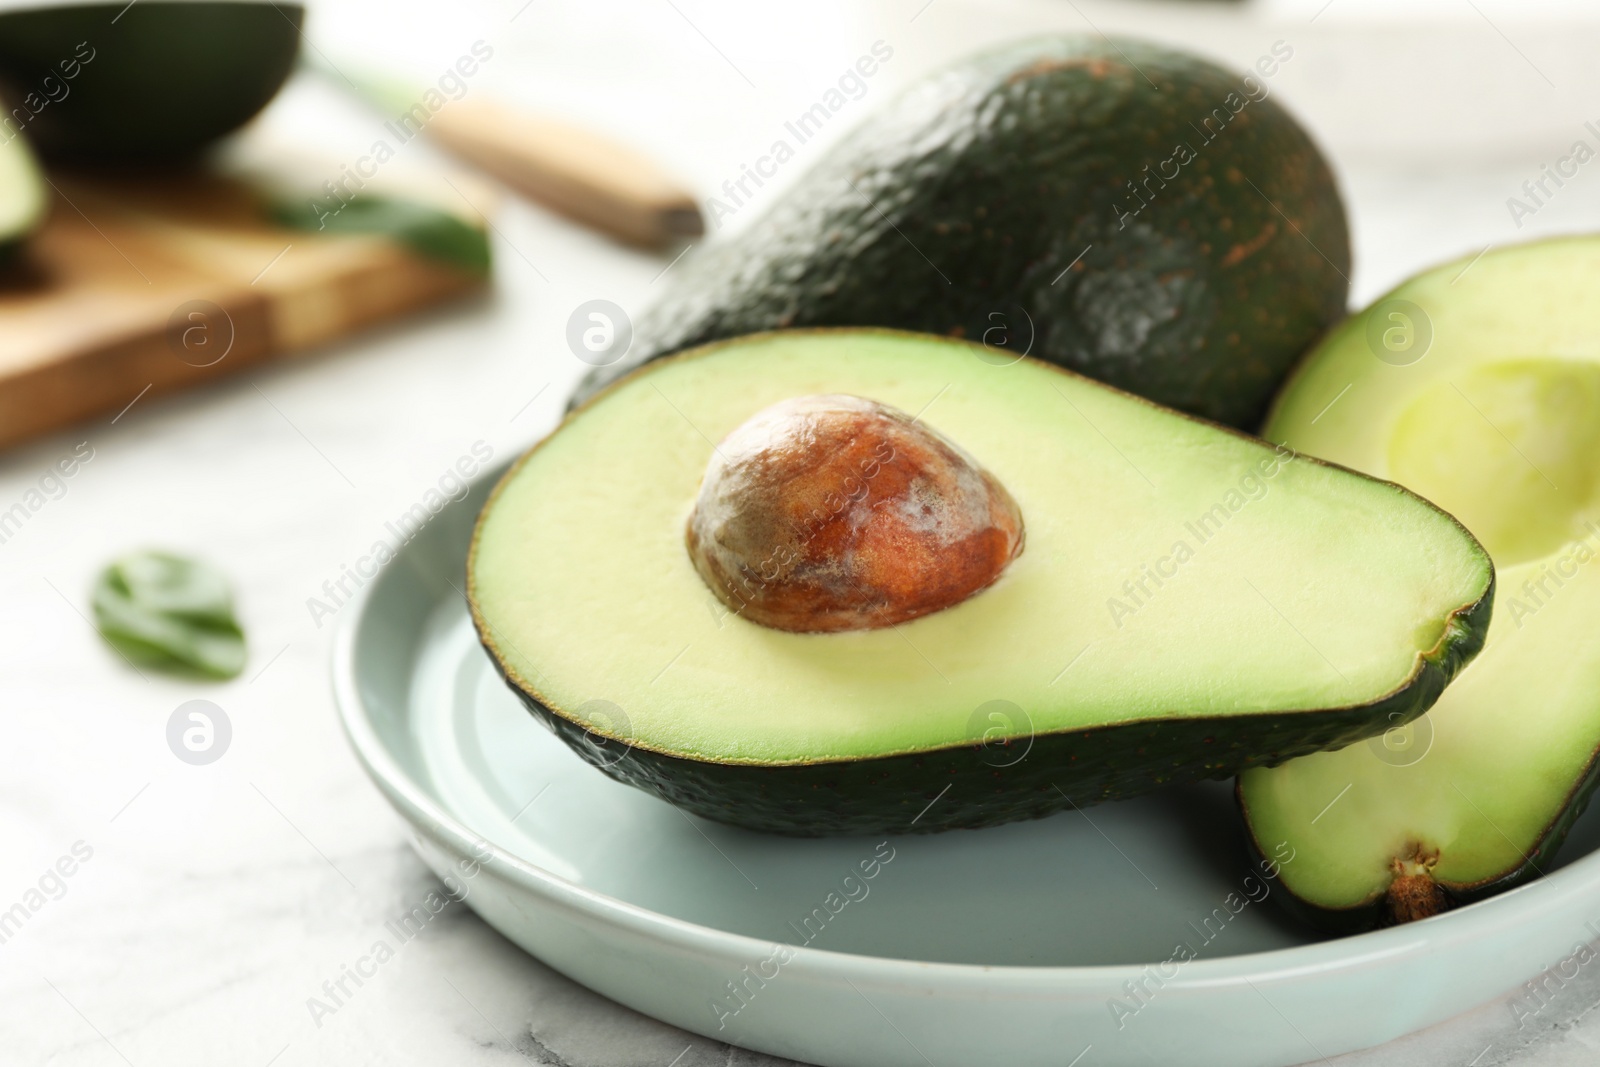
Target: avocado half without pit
[747, 580]
[1479, 388]
[24, 203]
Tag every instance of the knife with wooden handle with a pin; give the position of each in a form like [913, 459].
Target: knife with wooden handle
[583, 175]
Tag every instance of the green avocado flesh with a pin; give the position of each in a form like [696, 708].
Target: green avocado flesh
[1127, 211]
[22, 195]
[153, 80]
[1485, 399]
[1189, 601]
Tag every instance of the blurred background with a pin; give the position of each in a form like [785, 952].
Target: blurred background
[218, 898]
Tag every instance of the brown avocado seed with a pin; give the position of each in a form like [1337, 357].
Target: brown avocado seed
[824, 513]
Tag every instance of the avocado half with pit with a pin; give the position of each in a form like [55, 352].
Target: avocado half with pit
[1476, 384]
[149, 81]
[857, 581]
[1126, 210]
[23, 200]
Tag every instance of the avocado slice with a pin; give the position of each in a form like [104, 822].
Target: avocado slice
[1476, 384]
[1189, 601]
[23, 202]
[1125, 210]
[152, 81]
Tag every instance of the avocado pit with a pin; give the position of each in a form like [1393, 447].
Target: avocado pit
[833, 512]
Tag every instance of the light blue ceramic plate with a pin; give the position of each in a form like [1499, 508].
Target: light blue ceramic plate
[1055, 942]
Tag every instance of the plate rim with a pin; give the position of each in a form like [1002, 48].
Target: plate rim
[1494, 916]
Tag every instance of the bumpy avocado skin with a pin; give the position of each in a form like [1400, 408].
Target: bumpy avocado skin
[962, 787]
[992, 201]
[154, 81]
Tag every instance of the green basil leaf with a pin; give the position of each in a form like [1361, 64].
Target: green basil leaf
[170, 613]
[426, 229]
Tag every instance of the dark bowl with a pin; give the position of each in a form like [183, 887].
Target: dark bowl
[150, 81]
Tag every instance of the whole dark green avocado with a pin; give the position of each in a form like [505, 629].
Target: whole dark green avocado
[147, 82]
[1127, 211]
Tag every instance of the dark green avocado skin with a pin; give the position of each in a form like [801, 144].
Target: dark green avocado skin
[964, 787]
[154, 81]
[992, 201]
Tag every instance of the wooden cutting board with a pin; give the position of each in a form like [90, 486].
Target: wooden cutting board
[142, 286]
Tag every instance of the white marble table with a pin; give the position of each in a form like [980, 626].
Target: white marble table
[216, 900]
